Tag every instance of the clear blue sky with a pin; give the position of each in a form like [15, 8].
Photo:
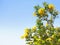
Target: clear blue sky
[15, 15]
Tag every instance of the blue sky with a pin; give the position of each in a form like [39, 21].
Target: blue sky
[15, 15]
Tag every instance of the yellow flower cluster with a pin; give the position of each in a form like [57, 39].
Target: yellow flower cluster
[26, 30]
[26, 33]
[34, 28]
[51, 6]
[41, 11]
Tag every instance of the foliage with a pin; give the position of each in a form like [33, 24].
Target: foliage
[41, 34]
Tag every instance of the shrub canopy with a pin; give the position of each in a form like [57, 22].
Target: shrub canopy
[41, 34]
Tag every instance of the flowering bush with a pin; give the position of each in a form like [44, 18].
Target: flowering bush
[41, 34]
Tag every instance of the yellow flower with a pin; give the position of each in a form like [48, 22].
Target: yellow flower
[22, 37]
[46, 24]
[26, 35]
[26, 30]
[51, 6]
[41, 11]
[34, 14]
[34, 28]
